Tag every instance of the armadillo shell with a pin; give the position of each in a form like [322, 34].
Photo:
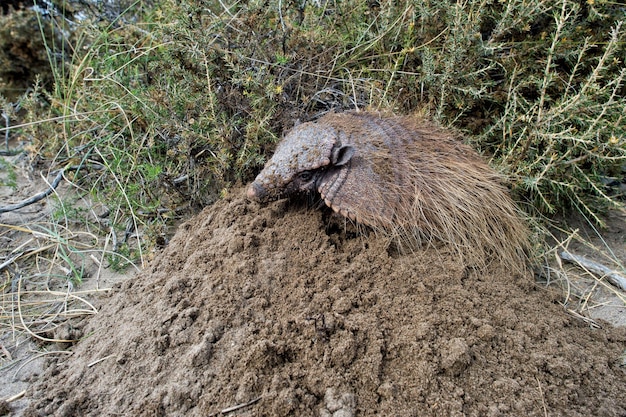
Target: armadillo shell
[411, 178]
[372, 187]
[348, 191]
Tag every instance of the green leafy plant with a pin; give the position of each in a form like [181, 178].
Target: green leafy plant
[8, 177]
[162, 112]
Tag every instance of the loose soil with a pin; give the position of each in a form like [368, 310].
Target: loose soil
[280, 310]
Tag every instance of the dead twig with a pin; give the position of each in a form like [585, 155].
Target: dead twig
[543, 400]
[97, 361]
[37, 197]
[9, 261]
[612, 276]
[51, 187]
[16, 396]
[235, 407]
[591, 322]
[11, 153]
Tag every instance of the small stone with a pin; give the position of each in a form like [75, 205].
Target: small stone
[455, 357]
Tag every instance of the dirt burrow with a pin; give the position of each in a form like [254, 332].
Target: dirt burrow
[278, 307]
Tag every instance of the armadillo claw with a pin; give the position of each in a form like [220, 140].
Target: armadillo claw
[343, 211]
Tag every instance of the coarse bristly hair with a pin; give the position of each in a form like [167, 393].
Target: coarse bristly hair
[406, 178]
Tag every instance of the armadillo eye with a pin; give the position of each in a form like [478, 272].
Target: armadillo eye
[305, 175]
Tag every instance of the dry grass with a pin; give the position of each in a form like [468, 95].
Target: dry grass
[586, 292]
[43, 263]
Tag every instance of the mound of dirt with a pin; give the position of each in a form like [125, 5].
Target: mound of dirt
[277, 310]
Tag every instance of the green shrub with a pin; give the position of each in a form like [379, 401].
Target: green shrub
[167, 110]
[23, 53]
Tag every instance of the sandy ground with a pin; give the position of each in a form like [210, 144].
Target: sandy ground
[278, 311]
[282, 310]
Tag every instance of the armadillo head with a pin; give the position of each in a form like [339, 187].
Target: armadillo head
[303, 159]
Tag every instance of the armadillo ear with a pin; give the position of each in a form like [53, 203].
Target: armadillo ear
[341, 155]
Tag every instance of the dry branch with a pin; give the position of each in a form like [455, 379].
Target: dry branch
[36, 197]
[612, 276]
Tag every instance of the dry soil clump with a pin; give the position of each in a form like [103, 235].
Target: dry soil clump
[278, 308]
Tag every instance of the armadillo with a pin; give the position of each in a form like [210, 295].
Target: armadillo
[402, 175]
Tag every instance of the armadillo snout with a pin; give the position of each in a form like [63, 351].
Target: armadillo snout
[255, 192]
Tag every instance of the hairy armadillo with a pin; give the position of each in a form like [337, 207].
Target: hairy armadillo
[401, 175]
